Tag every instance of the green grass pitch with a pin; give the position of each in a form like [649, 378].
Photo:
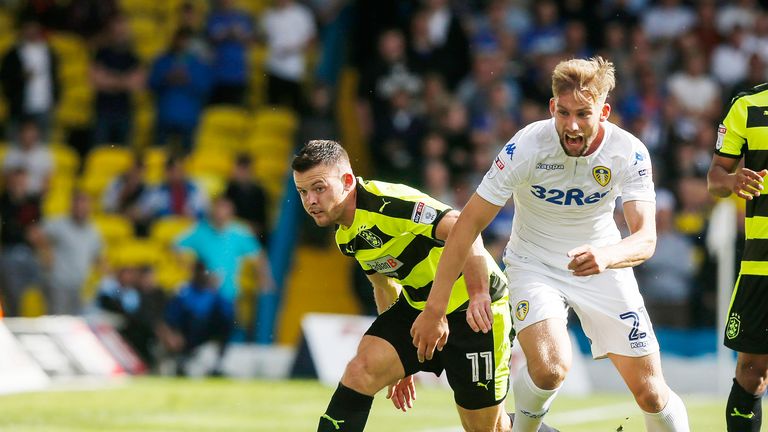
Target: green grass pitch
[169, 405]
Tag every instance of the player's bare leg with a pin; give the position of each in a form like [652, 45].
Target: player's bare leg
[744, 409]
[664, 410]
[548, 354]
[375, 366]
[492, 419]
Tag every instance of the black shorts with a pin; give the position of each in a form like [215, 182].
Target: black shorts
[747, 327]
[476, 364]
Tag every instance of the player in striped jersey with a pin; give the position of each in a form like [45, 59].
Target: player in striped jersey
[744, 134]
[396, 234]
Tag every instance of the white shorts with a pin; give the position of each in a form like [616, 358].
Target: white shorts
[609, 304]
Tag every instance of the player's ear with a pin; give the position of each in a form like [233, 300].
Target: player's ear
[605, 112]
[348, 180]
[552, 106]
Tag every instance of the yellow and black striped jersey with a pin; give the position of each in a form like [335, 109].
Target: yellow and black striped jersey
[394, 233]
[744, 133]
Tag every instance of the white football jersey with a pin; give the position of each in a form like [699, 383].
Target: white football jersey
[562, 202]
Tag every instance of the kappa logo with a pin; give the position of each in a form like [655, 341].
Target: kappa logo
[638, 158]
[521, 310]
[510, 149]
[550, 166]
[370, 238]
[602, 174]
[733, 326]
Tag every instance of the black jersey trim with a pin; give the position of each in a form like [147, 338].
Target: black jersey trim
[756, 250]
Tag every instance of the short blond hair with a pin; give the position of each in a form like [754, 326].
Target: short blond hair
[589, 80]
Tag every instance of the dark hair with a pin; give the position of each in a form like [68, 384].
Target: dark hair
[318, 152]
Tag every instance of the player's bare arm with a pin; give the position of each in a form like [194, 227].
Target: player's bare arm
[430, 330]
[630, 251]
[385, 290]
[725, 177]
[479, 315]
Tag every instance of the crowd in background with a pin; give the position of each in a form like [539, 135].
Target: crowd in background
[441, 87]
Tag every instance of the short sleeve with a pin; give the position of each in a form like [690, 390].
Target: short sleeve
[637, 184]
[507, 171]
[731, 134]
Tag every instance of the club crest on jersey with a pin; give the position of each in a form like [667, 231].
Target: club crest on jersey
[371, 238]
[733, 326]
[602, 175]
[521, 310]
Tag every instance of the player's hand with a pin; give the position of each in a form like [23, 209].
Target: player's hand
[402, 393]
[429, 331]
[748, 184]
[479, 315]
[587, 260]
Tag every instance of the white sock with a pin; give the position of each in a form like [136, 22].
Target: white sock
[673, 418]
[531, 403]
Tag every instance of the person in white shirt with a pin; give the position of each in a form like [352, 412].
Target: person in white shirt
[565, 250]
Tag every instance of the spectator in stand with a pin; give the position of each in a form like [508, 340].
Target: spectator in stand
[730, 60]
[249, 198]
[547, 34]
[73, 248]
[177, 195]
[133, 295]
[229, 31]
[667, 19]
[694, 79]
[124, 196]
[191, 22]
[116, 72]
[29, 79]
[289, 28]
[222, 245]
[319, 119]
[20, 230]
[389, 60]
[29, 154]
[180, 82]
[197, 314]
[447, 43]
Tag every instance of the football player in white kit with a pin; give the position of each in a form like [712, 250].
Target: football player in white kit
[565, 250]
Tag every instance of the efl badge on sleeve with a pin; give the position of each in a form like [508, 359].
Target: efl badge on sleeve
[601, 174]
[721, 130]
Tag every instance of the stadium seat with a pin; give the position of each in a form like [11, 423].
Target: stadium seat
[136, 252]
[166, 230]
[172, 271]
[204, 162]
[114, 228]
[154, 163]
[224, 121]
[65, 160]
[56, 203]
[274, 121]
[108, 161]
[76, 106]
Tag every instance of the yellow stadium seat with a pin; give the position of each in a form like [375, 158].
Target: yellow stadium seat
[69, 46]
[166, 230]
[274, 121]
[221, 143]
[203, 162]
[136, 252]
[76, 106]
[225, 120]
[56, 203]
[154, 163]
[211, 185]
[172, 272]
[94, 186]
[108, 161]
[113, 228]
[65, 160]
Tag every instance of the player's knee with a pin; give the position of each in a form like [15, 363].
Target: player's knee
[484, 424]
[359, 375]
[752, 376]
[650, 397]
[550, 375]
